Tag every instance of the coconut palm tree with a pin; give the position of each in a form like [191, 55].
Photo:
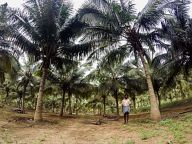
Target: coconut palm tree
[135, 84]
[113, 76]
[62, 78]
[177, 29]
[8, 62]
[107, 79]
[70, 80]
[115, 25]
[3, 24]
[8, 65]
[45, 29]
[26, 79]
[103, 92]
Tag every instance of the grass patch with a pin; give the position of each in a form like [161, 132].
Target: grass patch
[175, 127]
[7, 139]
[40, 140]
[130, 142]
[177, 103]
[147, 134]
[118, 141]
[178, 127]
[166, 104]
[114, 141]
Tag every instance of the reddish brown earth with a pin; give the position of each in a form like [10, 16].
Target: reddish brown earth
[20, 129]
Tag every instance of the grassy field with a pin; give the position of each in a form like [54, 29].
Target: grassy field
[175, 128]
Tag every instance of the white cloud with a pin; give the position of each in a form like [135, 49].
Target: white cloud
[77, 3]
[139, 4]
[13, 3]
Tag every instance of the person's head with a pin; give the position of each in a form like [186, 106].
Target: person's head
[126, 96]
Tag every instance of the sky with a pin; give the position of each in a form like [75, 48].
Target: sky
[77, 4]
[139, 4]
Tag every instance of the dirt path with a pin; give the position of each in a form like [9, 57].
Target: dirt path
[20, 129]
[75, 131]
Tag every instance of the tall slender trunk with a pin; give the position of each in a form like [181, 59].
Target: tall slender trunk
[136, 43]
[35, 101]
[7, 94]
[159, 99]
[39, 106]
[134, 102]
[19, 103]
[100, 111]
[117, 102]
[70, 107]
[62, 104]
[23, 99]
[94, 110]
[20, 98]
[104, 105]
[53, 107]
[155, 112]
[171, 98]
[76, 106]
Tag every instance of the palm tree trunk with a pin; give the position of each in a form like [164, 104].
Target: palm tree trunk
[94, 110]
[53, 107]
[100, 111]
[62, 104]
[7, 94]
[70, 107]
[117, 102]
[76, 106]
[155, 112]
[159, 99]
[19, 94]
[19, 103]
[23, 99]
[35, 101]
[171, 98]
[134, 102]
[39, 106]
[104, 105]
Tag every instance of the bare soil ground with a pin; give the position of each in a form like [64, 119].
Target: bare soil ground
[175, 128]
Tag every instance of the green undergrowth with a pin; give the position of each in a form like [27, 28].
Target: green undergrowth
[170, 130]
[179, 127]
[165, 105]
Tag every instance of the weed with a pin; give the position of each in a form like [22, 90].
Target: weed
[6, 137]
[130, 142]
[40, 140]
[176, 127]
[114, 141]
[147, 134]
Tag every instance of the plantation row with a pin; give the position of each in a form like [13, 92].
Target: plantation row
[53, 60]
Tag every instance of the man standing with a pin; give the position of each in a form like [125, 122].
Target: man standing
[126, 108]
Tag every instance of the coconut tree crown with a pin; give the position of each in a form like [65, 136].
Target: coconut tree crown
[45, 29]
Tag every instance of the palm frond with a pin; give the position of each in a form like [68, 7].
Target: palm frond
[21, 22]
[103, 4]
[152, 13]
[8, 64]
[115, 56]
[70, 29]
[77, 50]
[25, 44]
[59, 62]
